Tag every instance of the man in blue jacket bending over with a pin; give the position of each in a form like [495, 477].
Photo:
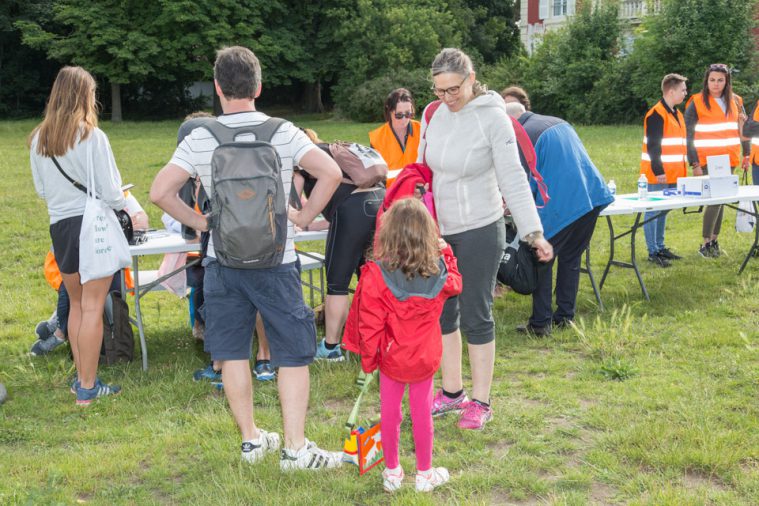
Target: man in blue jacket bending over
[578, 193]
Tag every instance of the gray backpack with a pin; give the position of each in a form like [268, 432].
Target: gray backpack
[248, 208]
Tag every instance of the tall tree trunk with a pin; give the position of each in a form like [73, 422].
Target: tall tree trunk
[115, 102]
[312, 97]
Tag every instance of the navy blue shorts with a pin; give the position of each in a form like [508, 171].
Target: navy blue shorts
[233, 297]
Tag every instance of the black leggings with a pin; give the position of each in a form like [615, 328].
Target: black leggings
[350, 234]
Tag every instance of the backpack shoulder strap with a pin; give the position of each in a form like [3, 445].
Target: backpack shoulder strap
[430, 110]
[263, 132]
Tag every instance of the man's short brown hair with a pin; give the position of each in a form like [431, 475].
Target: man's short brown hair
[670, 81]
[519, 94]
[238, 72]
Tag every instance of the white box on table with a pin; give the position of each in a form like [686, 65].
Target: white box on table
[707, 186]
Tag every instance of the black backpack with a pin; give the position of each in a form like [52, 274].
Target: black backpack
[248, 219]
[118, 338]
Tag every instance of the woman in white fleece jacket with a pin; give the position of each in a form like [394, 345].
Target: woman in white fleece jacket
[471, 148]
[66, 141]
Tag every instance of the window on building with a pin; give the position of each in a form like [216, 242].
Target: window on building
[543, 9]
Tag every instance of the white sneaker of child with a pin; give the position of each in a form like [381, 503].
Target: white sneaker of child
[427, 480]
[392, 479]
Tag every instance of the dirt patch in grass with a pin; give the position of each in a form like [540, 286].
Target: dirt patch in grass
[601, 493]
[500, 497]
[501, 448]
[697, 479]
[84, 497]
[561, 424]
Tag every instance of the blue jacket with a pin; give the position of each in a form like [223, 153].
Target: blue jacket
[574, 184]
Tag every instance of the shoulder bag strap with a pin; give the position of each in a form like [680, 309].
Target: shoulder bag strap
[78, 186]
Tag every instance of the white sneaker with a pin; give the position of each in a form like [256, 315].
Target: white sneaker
[309, 457]
[254, 450]
[392, 479]
[428, 480]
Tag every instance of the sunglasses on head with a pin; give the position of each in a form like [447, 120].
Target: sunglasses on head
[401, 115]
[719, 67]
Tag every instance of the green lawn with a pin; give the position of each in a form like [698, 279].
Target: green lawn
[646, 403]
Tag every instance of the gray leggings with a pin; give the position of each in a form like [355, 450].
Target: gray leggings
[479, 254]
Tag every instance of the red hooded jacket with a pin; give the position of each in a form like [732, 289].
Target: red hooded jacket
[394, 323]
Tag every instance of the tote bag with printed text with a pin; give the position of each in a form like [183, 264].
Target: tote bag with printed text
[103, 249]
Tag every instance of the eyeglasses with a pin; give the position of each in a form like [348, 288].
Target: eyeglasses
[720, 67]
[452, 91]
[401, 115]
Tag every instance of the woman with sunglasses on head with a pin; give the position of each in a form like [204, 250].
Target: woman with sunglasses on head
[397, 140]
[69, 137]
[471, 148]
[714, 118]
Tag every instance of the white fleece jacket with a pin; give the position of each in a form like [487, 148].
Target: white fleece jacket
[474, 159]
[62, 198]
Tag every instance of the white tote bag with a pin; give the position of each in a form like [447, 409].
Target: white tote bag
[744, 222]
[103, 249]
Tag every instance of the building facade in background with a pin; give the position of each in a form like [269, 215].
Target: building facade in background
[537, 17]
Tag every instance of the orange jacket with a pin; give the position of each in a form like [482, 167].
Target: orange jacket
[673, 146]
[717, 132]
[383, 139]
[53, 275]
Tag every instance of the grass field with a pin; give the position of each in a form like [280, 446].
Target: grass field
[646, 403]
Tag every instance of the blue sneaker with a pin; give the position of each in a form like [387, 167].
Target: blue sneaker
[264, 371]
[207, 374]
[85, 396]
[322, 353]
[45, 346]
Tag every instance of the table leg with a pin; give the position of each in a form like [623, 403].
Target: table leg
[138, 312]
[635, 228]
[612, 240]
[755, 246]
[589, 272]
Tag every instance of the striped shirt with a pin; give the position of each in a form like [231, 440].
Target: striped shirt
[194, 155]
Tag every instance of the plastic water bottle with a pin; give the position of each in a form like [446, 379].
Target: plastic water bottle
[642, 187]
[612, 187]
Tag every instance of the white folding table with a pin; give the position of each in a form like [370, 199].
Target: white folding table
[161, 242]
[657, 201]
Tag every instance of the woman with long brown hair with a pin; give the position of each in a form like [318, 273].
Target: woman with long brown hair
[69, 141]
[714, 118]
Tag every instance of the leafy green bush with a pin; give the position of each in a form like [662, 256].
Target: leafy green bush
[366, 102]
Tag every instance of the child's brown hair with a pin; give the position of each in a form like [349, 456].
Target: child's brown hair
[408, 240]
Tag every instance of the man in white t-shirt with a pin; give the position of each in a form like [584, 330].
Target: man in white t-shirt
[234, 296]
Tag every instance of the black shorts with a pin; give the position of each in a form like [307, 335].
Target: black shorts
[65, 236]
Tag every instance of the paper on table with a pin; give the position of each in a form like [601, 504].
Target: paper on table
[718, 165]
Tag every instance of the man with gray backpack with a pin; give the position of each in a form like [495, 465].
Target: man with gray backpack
[245, 163]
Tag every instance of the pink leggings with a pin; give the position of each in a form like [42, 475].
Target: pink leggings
[420, 402]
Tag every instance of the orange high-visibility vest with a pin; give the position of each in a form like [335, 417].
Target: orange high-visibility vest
[673, 146]
[384, 141]
[717, 133]
[755, 140]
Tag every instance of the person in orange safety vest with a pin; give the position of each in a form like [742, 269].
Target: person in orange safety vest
[398, 139]
[663, 160]
[714, 118]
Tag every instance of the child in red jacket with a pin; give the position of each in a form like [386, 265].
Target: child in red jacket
[394, 325]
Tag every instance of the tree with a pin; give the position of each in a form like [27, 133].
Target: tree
[383, 36]
[688, 35]
[24, 72]
[173, 40]
[488, 27]
[566, 75]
